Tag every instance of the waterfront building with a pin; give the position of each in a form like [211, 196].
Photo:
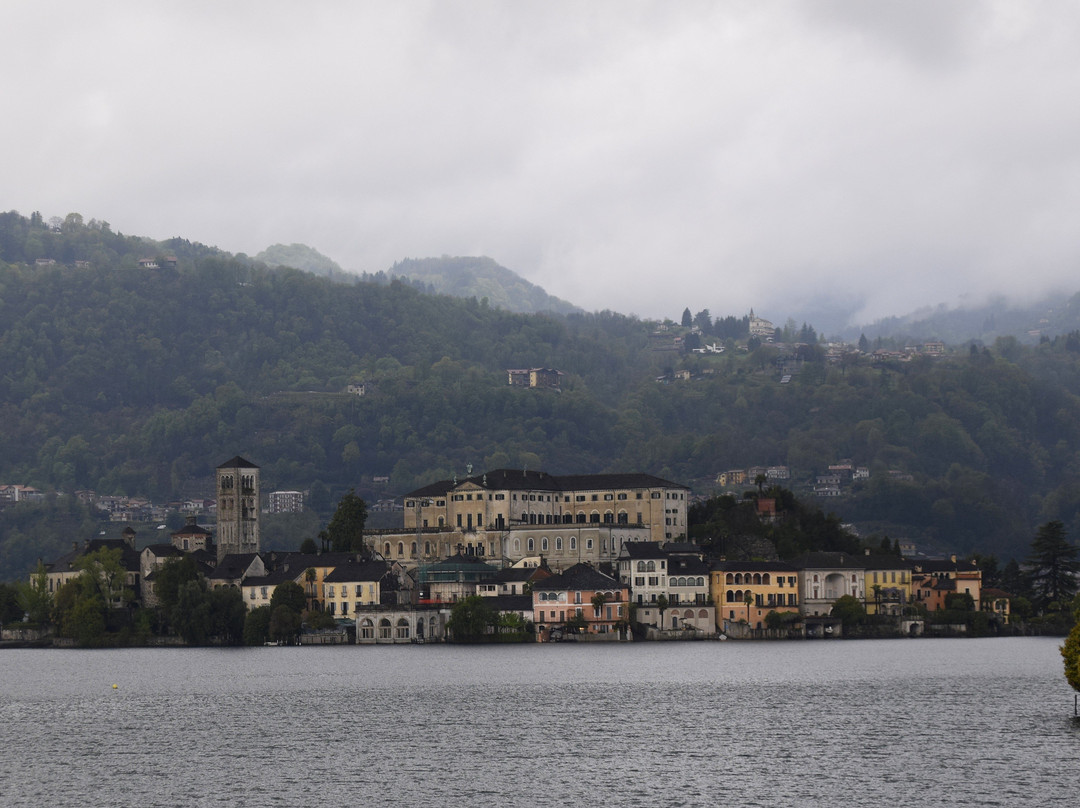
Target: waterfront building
[746, 591]
[567, 598]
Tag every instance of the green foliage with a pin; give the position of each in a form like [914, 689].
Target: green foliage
[849, 610]
[346, 529]
[99, 389]
[959, 602]
[1054, 566]
[471, 619]
[284, 625]
[11, 610]
[205, 616]
[291, 595]
[35, 599]
[257, 626]
[1070, 654]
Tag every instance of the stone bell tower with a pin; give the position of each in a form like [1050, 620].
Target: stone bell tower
[237, 507]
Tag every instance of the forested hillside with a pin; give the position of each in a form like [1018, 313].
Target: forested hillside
[135, 380]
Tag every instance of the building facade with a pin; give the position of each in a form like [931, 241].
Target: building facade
[237, 507]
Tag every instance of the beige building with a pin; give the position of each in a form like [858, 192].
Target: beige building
[506, 516]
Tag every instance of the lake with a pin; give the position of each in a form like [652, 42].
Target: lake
[802, 723]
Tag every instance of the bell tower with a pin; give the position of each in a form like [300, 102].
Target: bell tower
[237, 507]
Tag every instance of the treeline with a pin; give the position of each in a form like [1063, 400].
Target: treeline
[138, 381]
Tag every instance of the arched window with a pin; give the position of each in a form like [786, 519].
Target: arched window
[641, 566]
[402, 629]
[702, 614]
[558, 542]
[581, 518]
[386, 549]
[400, 549]
[730, 579]
[544, 544]
[738, 578]
[427, 548]
[730, 598]
[650, 567]
[609, 518]
[517, 546]
[765, 579]
[568, 519]
[573, 542]
[624, 518]
[414, 549]
[384, 629]
[367, 629]
[594, 517]
[757, 578]
[531, 544]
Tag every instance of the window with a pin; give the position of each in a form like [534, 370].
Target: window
[588, 544]
[558, 542]
[531, 545]
[544, 544]
[608, 497]
[656, 495]
[403, 629]
[622, 496]
[573, 542]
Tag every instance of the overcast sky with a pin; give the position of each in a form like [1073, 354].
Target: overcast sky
[640, 157]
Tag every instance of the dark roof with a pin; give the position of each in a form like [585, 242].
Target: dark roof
[192, 530]
[358, 571]
[458, 568]
[164, 549]
[828, 561]
[886, 562]
[238, 463]
[682, 547]
[272, 578]
[234, 565]
[510, 603]
[686, 565]
[513, 480]
[520, 574]
[129, 556]
[642, 549]
[580, 576]
[299, 562]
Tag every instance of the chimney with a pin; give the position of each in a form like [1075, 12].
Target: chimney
[952, 558]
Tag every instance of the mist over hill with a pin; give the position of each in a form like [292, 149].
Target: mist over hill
[480, 277]
[129, 366]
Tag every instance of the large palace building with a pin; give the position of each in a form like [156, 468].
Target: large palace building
[507, 515]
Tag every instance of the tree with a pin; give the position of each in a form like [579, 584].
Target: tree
[104, 575]
[470, 619]
[1054, 566]
[10, 609]
[598, 601]
[848, 610]
[309, 547]
[346, 529]
[687, 318]
[661, 605]
[35, 598]
[1070, 654]
[257, 626]
[284, 625]
[291, 595]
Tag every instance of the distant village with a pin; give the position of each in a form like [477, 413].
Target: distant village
[600, 557]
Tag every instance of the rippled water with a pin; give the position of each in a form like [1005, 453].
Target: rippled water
[901, 722]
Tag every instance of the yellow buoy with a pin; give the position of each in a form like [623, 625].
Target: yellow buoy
[115, 686]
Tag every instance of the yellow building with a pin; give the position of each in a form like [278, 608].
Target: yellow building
[888, 584]
[746, 591]
[349, 587]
